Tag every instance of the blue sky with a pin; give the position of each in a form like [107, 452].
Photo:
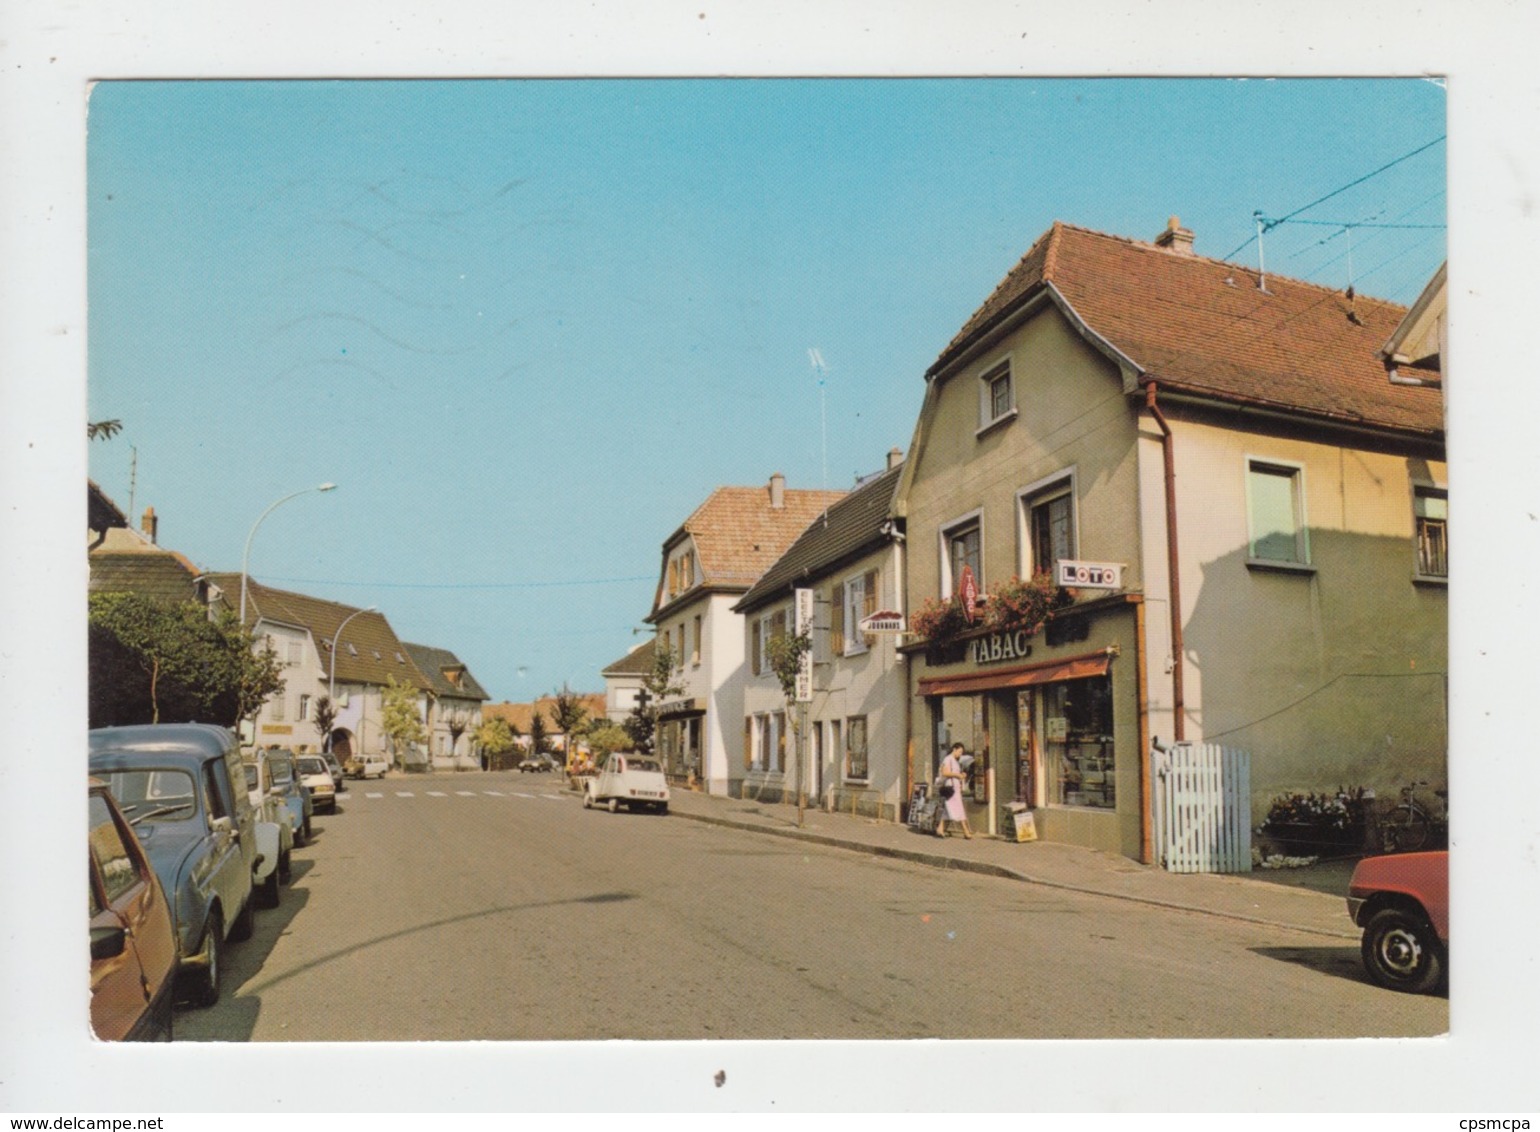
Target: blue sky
[527, 326]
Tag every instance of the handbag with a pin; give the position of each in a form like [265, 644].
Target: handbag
[947, 790]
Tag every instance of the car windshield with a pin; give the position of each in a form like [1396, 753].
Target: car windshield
[282, 771]
[153, 794]
[313, 766]
[251, 776]
[643, 764]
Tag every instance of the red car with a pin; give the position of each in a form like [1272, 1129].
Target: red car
[1402, 904]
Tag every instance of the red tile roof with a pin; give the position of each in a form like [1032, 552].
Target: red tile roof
[738, 535]
[1202, 326]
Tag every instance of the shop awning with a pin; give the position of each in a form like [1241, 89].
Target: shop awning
[1021, 676]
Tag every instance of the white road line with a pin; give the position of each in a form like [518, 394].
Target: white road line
[552, 797]
[466, 793]
[494, 793]
[405, 794]
[437, 794]
[374, 795]
[516, 794]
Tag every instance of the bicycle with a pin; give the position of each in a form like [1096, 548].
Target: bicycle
[1409, 826]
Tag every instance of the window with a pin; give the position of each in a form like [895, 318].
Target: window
[304, 707]
[695, 656]
[1430, 507]
[1050, 526]
[961, 546]
[296, 653]
[278, 712]
[1276, 507]
[860, 600]
[780, 741]
[855, 748]
[996, 396]
[757, 645]
[116, 865]
[1078, 743]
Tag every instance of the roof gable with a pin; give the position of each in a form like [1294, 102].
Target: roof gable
[1204, 327]
[446, 674]
[852, 525]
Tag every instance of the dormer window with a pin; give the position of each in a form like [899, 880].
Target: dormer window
[351, 650]
[400, 659]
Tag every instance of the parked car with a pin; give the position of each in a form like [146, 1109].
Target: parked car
[296, 797]
[336, 770]
[180, 784]
[368, 766]
[315, 776]
[628, 779]
[1402, 904]
[537, 764]
[267, 800]
[133, 941]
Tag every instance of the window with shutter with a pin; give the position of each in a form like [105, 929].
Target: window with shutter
[756, 631]
[837, 620]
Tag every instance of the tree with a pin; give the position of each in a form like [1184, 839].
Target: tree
[458, 723]
[539, 734]
[604, 737]
[657, 686]
[325, 719]
[786, 651]
[103, 430]
[568, 714]
[152, 660]
[496, 738]
[400, 718]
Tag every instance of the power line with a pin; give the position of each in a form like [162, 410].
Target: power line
[466, 585]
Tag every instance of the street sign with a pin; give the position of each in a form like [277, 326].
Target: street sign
[1091, 575]
[968, 590]
[802, 623]
[883, 621]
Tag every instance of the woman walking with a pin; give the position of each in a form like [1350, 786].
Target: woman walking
[952, 776]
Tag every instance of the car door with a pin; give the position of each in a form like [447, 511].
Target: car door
[124, 901]
[231, 847]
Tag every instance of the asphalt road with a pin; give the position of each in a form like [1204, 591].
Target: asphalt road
[492, 906]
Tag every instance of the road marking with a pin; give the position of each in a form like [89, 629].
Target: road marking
[494, 793]
[437, 794]
[466, 793]
[516, 794]
[405, 794]
[374, 795]
[552, 797]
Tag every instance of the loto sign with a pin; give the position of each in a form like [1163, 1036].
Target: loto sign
[1090, 575]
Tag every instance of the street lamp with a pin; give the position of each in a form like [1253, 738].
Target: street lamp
[331, 682]
[246, 555]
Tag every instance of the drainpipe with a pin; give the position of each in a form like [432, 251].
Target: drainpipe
[1167, 445]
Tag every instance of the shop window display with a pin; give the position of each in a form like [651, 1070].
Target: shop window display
[1077, 728]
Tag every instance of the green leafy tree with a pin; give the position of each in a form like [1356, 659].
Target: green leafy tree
[155, 660]
[658, 685]
[604, 737]
[496, 739]
[401, 720]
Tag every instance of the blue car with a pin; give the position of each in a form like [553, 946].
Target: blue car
[181, 787]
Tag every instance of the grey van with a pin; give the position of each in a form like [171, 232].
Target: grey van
[182, 788]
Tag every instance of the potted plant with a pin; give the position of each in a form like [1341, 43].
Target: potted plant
[1318, 825]
[1024, 606]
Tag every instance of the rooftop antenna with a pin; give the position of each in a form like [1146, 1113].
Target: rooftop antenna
[1261, 259]
[133, 477]
[815, 356]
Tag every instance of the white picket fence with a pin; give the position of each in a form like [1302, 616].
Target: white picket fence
[1202, 804]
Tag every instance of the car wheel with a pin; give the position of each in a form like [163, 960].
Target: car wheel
[662, 808]
[245, 922]
[205, 984]
[1401, 952]
[614, 805]
[269, 891]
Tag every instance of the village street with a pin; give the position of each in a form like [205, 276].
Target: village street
[493, 906]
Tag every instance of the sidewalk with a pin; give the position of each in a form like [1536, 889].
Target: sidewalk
[1045, 863]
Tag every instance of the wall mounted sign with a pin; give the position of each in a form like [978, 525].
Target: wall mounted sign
[1091, 575]
[968, 591]
[1000, 646]
[883, 621]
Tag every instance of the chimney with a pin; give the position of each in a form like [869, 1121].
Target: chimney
[895, 458]
[149, 524]
[1175, 238]
[777, 491]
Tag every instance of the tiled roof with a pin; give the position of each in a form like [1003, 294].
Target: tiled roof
[1203, 327]
[376, 653]
[637, 662]
[738, 535]
[853, 526]
[519, 714]
[432, 662]
[101, 512]
[163, 576]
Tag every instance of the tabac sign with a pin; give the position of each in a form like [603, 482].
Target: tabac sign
[1090, 575]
